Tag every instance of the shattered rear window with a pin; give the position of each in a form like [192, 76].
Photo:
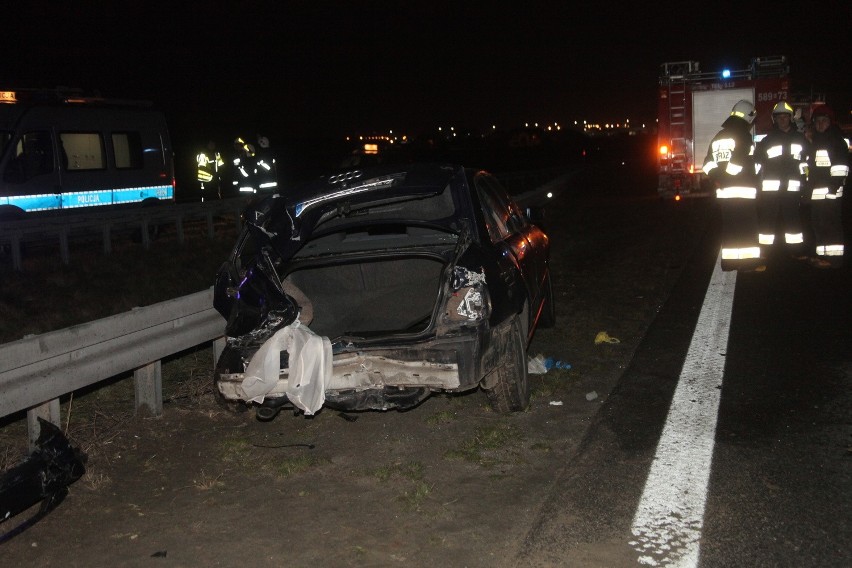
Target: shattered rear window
[403, 209]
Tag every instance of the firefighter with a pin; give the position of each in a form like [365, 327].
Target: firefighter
[244, 168]
[782, 161]
[730, 165]
[208, 172]
[265, 167]
[828, 167]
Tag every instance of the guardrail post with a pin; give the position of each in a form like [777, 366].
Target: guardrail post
[146, 237]
[17, 262]
[49, 411]
[148, 387]
[107, 230]
[238, 217]
[64, 254]
[210, 224]
[179, 229]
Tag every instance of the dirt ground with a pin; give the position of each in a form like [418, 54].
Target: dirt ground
[447, 483]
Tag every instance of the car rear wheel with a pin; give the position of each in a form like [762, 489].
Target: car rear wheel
[511, 390]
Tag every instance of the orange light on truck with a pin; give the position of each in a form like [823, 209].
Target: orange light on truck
[664, 150]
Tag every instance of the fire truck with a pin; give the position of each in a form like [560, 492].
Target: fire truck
[692, 106]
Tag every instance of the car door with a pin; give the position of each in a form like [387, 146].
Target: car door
[510, 232]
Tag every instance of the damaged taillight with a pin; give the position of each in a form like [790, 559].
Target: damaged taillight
[469, 300]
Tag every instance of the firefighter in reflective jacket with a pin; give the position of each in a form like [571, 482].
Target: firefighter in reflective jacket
[208, 173]
[244, 179]
[782, 162]
[828, 167]
[265, 167]
[730, 165]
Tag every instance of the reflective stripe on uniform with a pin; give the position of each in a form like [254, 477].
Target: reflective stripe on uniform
[736, 193]
[794, 238]
[796, 151]
[740, 253]
[830, 250]
[823, 193]
[765, 239]
[819, 193]
[839, 171]
[774, 152]
[775, 185]
[733, 169]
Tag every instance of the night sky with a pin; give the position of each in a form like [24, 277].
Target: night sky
[336, 68]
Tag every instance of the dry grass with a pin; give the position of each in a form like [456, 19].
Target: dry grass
[47, 296]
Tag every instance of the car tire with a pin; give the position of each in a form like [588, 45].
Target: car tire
[547, 318]
[511, 390]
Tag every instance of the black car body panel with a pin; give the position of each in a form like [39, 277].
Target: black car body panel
[413, 272]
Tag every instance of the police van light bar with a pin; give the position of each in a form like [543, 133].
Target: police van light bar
[726, 74]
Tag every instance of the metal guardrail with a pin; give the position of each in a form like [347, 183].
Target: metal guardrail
[62, 228]
[36, 371]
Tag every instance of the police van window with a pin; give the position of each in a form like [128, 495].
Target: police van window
[84, 150]
[5, 136]
[127, 148]
[33, 156]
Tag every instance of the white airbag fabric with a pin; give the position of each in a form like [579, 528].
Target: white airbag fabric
[310, 367]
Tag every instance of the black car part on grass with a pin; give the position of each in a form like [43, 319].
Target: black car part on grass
[43, 477]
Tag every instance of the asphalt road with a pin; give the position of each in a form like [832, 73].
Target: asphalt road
[749, 461]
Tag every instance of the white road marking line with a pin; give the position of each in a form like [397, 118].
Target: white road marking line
[668, 522]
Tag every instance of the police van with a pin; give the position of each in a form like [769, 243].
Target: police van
[63, 151]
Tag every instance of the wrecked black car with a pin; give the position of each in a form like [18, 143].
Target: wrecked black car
[373, 288]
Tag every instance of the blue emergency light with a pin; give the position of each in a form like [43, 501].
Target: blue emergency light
[726, 73]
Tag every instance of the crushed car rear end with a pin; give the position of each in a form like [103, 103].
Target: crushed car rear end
[387, 265]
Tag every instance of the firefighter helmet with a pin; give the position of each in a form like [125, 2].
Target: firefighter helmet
[745, 110]
[783, 108]
[823, 110]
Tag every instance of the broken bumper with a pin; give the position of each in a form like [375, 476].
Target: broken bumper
[383, 379]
